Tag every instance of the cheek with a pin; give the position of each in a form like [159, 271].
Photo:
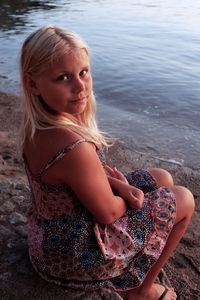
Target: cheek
[44, 89]
[89, 84]
[50, 91]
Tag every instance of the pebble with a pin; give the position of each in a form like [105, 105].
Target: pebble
[16, 218]
[6, 186]
[21, 230]
[13, 258]
[3, 218]
[5, 276]
[13, 243]
[18, 199]
[7, 207]
[6, 232]
[19, 186]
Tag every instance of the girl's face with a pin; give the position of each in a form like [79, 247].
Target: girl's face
[67, 85]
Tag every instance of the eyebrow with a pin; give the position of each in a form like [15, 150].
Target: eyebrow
[67, 71]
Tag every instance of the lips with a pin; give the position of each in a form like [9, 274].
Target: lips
[79, 99]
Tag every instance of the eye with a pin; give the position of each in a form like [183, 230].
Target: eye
[64, 77]
[84, 72]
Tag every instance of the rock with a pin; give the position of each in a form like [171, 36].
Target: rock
[16, 218]
[5, 276]
[21, 230]
[6, 232]
[14, 242]
[18, 199]
[7, 207]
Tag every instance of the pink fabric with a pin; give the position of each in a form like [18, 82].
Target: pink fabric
[68, 247]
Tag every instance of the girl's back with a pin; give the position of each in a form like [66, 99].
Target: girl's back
[45, 145]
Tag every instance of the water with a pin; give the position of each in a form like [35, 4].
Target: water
[145, 62]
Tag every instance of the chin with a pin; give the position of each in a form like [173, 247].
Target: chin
[79, 110]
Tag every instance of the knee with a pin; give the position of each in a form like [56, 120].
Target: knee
[184, 200]
[162, 177]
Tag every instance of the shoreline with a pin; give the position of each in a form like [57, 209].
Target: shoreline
[122, 154]
[160, 138]
[17, 276]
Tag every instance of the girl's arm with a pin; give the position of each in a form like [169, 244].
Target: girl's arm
[119, 183]
[131, 194]
[82, 170]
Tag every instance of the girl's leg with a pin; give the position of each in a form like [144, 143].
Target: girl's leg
[148, 289]
[162, 177]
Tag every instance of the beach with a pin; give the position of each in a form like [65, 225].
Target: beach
[17, 278]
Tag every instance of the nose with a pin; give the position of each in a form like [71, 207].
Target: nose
[78, 85]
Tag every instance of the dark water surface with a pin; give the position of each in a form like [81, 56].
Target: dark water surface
[145, 60]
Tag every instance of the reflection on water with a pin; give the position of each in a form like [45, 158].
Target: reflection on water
[12, 12]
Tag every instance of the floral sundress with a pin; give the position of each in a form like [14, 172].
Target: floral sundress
[68, 247]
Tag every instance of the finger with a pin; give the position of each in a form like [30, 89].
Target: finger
[119, 175]
[109, 170]
[139, 194]
[135, 202]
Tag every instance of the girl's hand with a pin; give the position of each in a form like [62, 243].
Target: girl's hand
[132, 195]
[115, 173]
[129, 193]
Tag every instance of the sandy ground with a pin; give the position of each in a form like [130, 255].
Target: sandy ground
[17, 278]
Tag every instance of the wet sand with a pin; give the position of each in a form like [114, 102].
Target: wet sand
[17, 278]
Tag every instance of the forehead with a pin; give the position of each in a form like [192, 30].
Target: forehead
[74, 59]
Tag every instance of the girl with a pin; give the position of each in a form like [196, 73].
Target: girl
[89, 226]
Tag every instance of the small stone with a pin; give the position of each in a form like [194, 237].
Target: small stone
[16, 218]
[5, 232]
[5, 185]
[21, 230]
[13, 243]
[5, 276]
[17, 192]
[18, 199]
[13, 258]
[3, 218]
[7, 207]
[19, 186]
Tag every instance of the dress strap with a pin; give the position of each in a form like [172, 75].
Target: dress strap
[59, 155]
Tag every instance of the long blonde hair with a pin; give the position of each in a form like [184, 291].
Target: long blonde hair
[40, 50]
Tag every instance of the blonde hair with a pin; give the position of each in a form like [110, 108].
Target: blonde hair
[39, 50]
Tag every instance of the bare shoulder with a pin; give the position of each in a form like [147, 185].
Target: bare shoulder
[46, 144]
[83, 155]
[75, 164]
[80, 168]
[55, 138]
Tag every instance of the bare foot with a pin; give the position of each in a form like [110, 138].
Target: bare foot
[153, 294]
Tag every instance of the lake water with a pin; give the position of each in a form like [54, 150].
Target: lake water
[145, 62]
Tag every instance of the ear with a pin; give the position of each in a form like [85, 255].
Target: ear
[30, 84]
